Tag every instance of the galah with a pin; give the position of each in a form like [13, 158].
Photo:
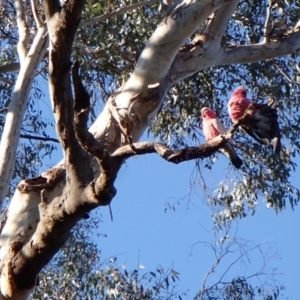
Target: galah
[261, 123]
[212, 127]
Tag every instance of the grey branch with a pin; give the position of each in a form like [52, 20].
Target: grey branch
[174, 156]
[252, 53]
[267, 27]
[39, 138]
[12, 67]
[81, 111]
[36, 15]
[23, 30]
[217, 25]
[185, 154]
[102, 189]
[196, 58]
[117, 12]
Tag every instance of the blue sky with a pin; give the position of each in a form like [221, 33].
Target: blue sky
[142, 232]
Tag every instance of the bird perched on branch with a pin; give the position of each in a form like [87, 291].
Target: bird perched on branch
[212, 127]
[260, 121]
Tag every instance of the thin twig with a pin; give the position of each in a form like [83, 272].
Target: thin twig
[244, 247]
[23, 30]
[235, 261]
[6, 81]
[117, 12]
[110, 212]
[267, 26]
[38, 138]
[36, 15]
[10, 67]
[87, 53]
[3, 109]
[282, 72]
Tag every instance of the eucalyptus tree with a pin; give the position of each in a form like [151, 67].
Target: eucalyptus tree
[155, 67]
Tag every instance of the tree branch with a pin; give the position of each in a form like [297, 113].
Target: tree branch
[158, 55]
[102, 189]
[3, 109]
[267, 27]
[217, 25]
[6, 80]
[23, 31]
[117, 12]
[17, 106]
[32, 137]
[174, 156]
[50, 8]
[282, 72]
[252, 53]
[62, 24]
[185, 154]
[81, 112]
[199, 57]
[35, 13]
[11, 67]
[39, 138]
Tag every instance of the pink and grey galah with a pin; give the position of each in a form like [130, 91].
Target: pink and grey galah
[212, 127]
[261, 123]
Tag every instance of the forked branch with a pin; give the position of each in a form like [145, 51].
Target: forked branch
[101, 190]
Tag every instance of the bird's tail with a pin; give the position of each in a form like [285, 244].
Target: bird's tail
[229, 151]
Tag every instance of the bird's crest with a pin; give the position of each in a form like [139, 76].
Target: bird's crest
[208, 113]
[240, 91]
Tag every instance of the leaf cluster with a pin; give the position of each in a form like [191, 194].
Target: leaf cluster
[78, 272]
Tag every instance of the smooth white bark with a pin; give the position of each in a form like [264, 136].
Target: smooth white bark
[217, 25]
[23, 31]
[252, 53]
[212, 54]
[16, 109]
[155, 60]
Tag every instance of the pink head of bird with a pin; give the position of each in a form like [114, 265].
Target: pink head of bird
[207, 113]
[240, 92]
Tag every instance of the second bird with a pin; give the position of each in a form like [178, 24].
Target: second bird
[262, 125]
